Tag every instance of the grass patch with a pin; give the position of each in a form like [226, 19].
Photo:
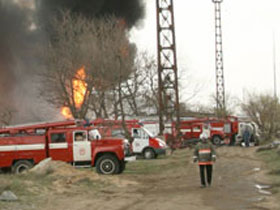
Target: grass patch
[89, 184]
[26, 185]
[162, 164]
[22, 186]
[275, 172]
[15, 183]
[272, 160]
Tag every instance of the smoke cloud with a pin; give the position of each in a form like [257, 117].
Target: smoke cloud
[130, 10]
[19, 63]
[13, 34]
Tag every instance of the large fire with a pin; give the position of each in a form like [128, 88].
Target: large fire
[65, 111]
[79, 91]
[79, 87]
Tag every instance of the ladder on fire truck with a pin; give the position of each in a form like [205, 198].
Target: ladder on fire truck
[34, 127]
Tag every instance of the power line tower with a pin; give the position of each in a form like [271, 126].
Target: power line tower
[167, 64]
[220, 88]
[274, 66]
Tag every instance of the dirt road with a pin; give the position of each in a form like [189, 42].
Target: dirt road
[170, 183]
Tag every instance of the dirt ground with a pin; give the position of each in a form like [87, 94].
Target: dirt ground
[168, 183]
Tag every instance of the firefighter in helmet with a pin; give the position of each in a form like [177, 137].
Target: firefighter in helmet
[205, 155]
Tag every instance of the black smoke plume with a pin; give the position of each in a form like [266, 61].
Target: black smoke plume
[19, 63]
[129, 10]
[13, 36]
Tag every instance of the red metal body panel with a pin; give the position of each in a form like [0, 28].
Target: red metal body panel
[63, 154]
[107, 146]
[110, 128]
[21, 147]
[191, 129]
[24, 143]
[154, 143]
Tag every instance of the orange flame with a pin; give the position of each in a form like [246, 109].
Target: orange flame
[79, 91]
[79, 87]
[65, 111]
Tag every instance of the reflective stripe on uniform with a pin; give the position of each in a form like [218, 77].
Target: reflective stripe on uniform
[205, 163]
[204, 151]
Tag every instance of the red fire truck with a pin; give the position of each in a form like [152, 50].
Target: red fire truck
[219, 130]
[22, 147]
[143, 143]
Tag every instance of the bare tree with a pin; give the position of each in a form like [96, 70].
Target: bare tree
[94, 53]
[231, 103]
[210, 109]
[140, 90]
[264, 110]
[134, 96]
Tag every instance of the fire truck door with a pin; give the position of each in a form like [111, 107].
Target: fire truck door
[141, 140]
[81, 146]
[58, 146]
[196, 131]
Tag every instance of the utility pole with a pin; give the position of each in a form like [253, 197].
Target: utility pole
[220, 87]
[167, 64]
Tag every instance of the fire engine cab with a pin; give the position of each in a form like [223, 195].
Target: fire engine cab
[143, 143]
[22, 147]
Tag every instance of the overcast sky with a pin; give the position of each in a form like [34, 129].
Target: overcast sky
[248, 27]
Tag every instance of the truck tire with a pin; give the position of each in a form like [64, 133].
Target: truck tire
[233, 140]
[107, 164]
[122, 167]
[217, 140]
[21, 166]
[149, 153]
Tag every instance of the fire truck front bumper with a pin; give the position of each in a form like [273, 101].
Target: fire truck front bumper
[130, 159]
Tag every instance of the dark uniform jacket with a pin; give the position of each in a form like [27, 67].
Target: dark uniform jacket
[205, 153]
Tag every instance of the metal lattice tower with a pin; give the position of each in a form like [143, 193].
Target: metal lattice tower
[220, 88]
[167, 64]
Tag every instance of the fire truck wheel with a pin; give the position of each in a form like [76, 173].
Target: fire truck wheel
[216, 140]
[21, 165]
[122, 167]
[149, 153]
[107, 164]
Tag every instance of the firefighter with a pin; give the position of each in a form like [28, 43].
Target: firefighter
[206, 129]
[205, 154]
[79, 137]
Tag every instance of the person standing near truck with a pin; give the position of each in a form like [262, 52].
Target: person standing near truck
[207, 130]
[205, 155]
[246, 137]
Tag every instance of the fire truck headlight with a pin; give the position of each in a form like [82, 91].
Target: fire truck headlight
[126, 147]
[161, 144]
